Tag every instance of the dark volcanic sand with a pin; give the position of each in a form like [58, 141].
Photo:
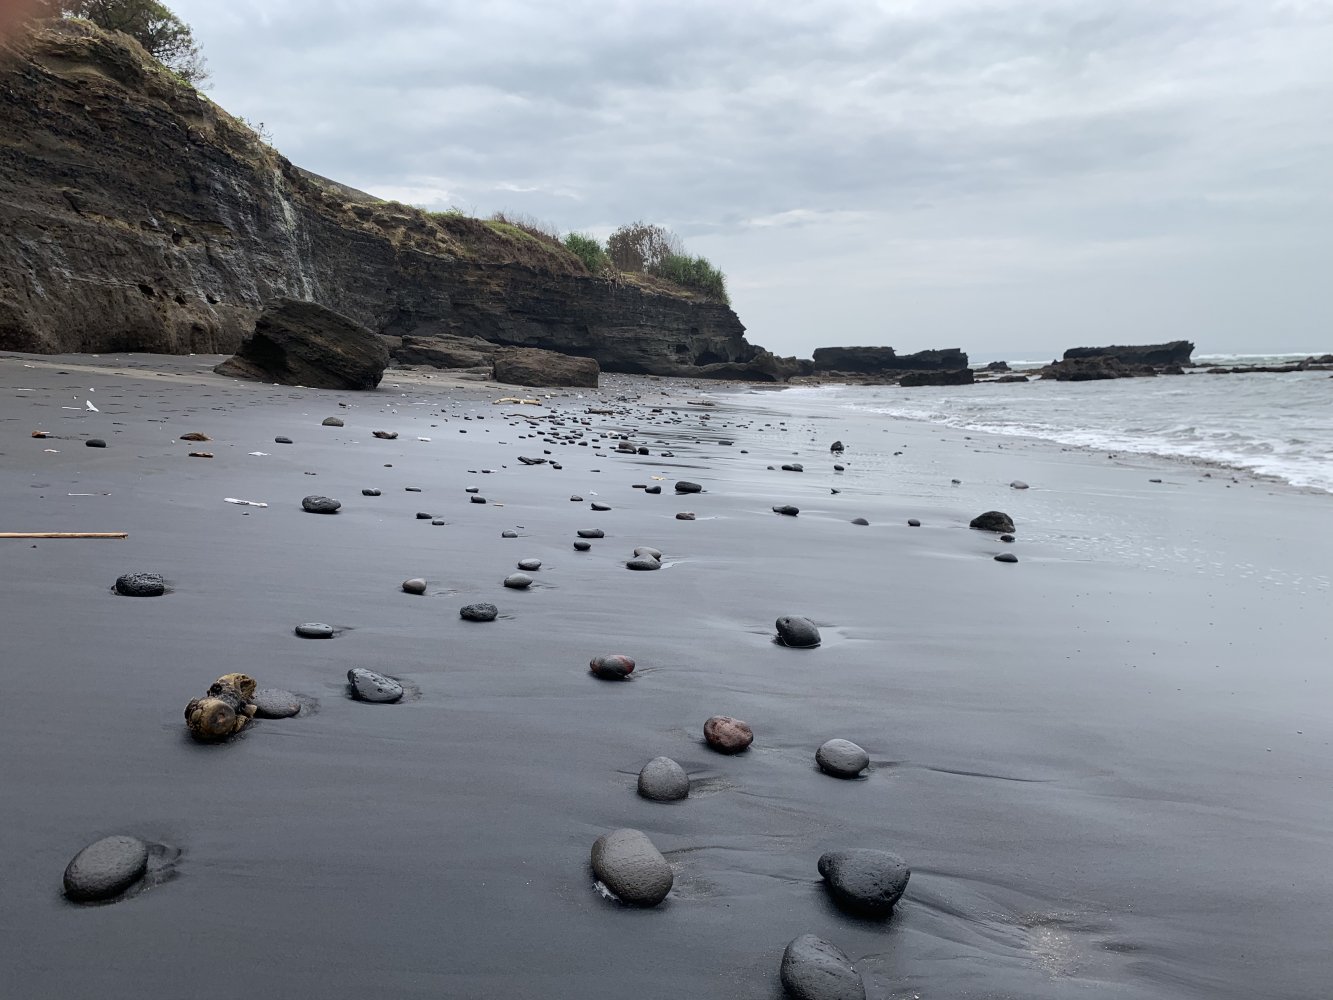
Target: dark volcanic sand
[1108, 766]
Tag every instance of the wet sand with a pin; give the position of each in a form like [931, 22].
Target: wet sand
[1108, 765]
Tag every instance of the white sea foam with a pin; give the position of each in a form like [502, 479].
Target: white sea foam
[1278, 425]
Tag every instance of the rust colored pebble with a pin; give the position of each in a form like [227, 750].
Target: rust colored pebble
[614, 667]
[727, 735]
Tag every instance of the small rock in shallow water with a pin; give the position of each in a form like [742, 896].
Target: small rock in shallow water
[315, 630]
[591, 533]
[644, 563]
[654, 489]
[275, 703]
[582, 546]
[813, 969]
[367, 685]
[613, 667]
[1006, 538]
[530, 564]
[416, 585]
[787, 509]
[105, 869]
[727, 735]
[913, 523]
[793, 467]
[1018, 484]
[864, 881]
[861, 521]
[576, 499]
[385, 435]
[649, 551]
[99, 443]
[684, 486]
[320, 505]
[1006, 557]
[478, 612]
[282, 440]
[509, 533]
[600, 506]
[631, 867]
[518, 581]
[423, 516]
[476, 499]
[685, 515]
[370, 493]
[992, 520]
[842, 759]
[663, 780]
[333, 421]
[796, 631]
[141, 585]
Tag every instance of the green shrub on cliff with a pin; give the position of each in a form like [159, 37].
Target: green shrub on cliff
[167, 38]
[588, 250]
[694, 273]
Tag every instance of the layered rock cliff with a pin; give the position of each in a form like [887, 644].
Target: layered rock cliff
[135, 215]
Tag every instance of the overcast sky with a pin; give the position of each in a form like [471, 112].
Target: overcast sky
[1008, 176]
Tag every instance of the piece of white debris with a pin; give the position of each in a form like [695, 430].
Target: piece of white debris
[244, 503]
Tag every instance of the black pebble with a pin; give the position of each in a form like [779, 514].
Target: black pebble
[95, 443]
[787, 509]
[1006, 557]
[370, 493]
[282, 440]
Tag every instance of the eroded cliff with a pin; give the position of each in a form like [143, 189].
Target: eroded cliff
[137, 215]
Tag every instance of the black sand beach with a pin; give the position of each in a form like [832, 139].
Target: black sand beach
[1108, 765]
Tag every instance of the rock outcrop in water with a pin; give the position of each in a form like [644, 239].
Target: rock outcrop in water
[136, 215]
[1177, 352]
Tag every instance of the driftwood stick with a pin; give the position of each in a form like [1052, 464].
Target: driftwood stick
[64, 534]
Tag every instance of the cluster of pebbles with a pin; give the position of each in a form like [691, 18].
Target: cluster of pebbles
[866, 883]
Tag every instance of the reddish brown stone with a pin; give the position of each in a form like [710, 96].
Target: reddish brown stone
[727, 735]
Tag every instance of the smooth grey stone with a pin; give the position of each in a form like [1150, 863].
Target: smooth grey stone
[509, 533]
[1018, 484]
[793, 467]
[913, 523]
[518, 581]
[663, 780]
[282, 440]
[654, 489]
[582, 546]
[840, 468]
[787, 509]
[367, 685]
[600, 506]
[105, 868]
[141, 585]
[796, 631]
[314, 630]
[439, 522]
[320, 505]
[861, 521]
[421, 516]
[685, 486]
[472, 489]
[1006, 557]
[576, 499]
[630, 866]
[416, 585]
[842, 759]
[1006, 538]
[479, 612]
[612, 667]
[813, 969]
[99, 443]
[685, 515]
[865, 881]
[275, 703]
[644, 563]
[591, 533]
[477, 499]
[333, 421]
[649, 551]
[993, 520]
[530, 564]
[411, 489]
[370, 493]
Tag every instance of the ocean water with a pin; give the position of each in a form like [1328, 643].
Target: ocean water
[1275, 425]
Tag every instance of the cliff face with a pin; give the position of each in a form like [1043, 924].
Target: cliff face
[880, 360]
[136, 215]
